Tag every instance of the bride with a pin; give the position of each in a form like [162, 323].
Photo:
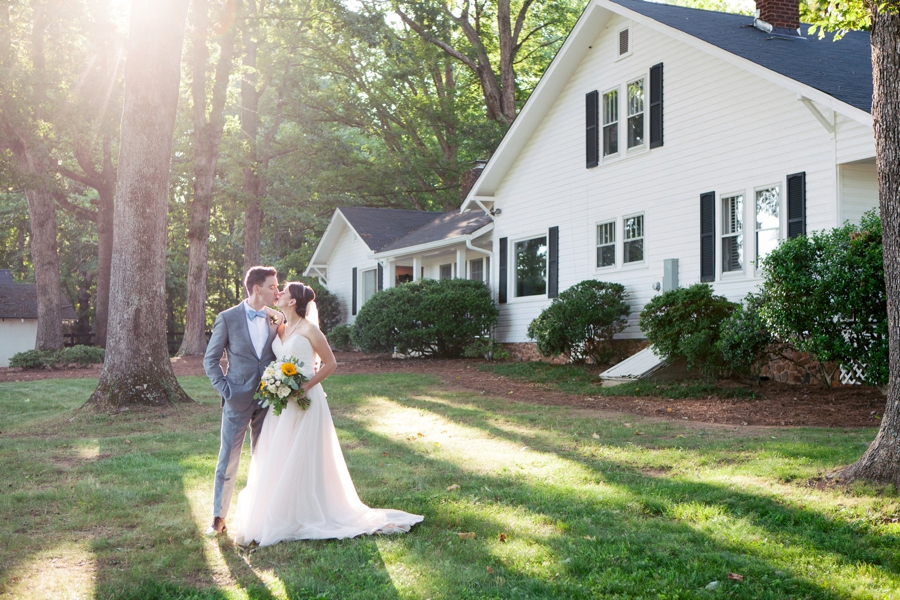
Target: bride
[298, 486]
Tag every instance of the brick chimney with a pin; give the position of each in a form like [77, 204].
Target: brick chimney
[780, 17]
[468, 178]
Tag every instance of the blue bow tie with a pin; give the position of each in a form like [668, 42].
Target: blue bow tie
[252, 314]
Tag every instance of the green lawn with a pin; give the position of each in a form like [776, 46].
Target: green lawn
[563, 504]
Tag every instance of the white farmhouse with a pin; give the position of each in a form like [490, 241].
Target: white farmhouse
[18, 316]
[364, 250]
[664, 146]
[668, 145]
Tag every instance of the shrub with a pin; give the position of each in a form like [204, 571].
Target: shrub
[339, 338]
[825, 294]
[34, 359]
[486, 348]
[685, 324]
[744, 339]
[81, 355]
[426, 317]
[582, 321]
[329, 307]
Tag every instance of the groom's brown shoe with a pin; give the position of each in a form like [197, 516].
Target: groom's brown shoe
[217, 527]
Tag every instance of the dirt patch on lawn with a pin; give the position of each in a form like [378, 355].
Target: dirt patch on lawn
[776, 405]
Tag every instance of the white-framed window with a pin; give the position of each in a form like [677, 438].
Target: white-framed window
[477, 269]
[635, 126]
[768, 220]
[530, 258]
[606, 244]
[611, 122]
[446, 271]
[369, 284]
[732, 233]
[633, 239]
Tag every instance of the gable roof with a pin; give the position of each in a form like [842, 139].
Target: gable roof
[840, 69]
[19, 301]
[378, 227]
[803, 67]
[445, 226]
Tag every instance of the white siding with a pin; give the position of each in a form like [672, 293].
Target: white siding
[725, 131]
[349, 252]
[859, 190]
[854, 141]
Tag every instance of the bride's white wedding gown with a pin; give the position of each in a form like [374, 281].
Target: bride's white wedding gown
[298, 486]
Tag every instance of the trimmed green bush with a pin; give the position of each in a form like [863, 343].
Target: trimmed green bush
[81, 355]
[685, 324]
[825, 294]
[33, 359]
[339, 338]
[582, 321]
[488, 349]
[49, 359]
[426, 318]
[329, 307]
[744, 339]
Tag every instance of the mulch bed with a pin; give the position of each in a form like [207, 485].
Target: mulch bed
[776, 405]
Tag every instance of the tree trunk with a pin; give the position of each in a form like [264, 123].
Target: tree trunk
[105, 213]
[881, 462]
[137, 369]
[252, 185]
[207, 137]
[44, 256]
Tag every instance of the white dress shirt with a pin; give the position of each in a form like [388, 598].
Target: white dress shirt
[259, 329]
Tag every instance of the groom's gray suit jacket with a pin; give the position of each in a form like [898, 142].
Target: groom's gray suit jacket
[232, 333]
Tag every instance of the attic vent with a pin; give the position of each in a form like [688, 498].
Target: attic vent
[624, 42]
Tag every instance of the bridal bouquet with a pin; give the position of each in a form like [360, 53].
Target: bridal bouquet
[280, 382]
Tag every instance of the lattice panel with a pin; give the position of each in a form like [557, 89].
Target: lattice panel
[852, 374]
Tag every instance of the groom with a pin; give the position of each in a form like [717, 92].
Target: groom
[245, 332]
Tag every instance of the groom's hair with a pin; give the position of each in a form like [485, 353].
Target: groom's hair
[257, 276]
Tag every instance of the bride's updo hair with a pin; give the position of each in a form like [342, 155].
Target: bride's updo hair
[303, 294]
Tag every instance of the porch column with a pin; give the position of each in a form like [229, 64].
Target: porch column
[417, 268]
[390, 273]
[461, 263]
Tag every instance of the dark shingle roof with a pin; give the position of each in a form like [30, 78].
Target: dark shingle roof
[443, 227]
[378, 227]
[19, 301]
[6, 276]
[841, 69]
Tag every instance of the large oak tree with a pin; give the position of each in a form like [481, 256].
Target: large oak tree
[137, 369]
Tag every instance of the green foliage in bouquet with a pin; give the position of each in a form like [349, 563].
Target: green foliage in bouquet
[281, 382]
[426, 318]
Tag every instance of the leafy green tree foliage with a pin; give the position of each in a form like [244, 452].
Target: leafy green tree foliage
[686, 324]
[426, 318]
[825, 294]
[329, 307]
[744, 339]
[582, 321]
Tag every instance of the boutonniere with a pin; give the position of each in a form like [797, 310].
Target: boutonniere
[273, 319]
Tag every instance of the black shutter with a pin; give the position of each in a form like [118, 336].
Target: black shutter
[796, 204]
[501, 284]
[656, 105]
[708, 236]
[553, 264]
[380, 277]
[592, 131]
[353, 302]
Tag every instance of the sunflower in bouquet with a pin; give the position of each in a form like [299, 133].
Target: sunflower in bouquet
[281, 382]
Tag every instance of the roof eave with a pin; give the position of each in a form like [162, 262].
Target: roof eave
[326, 240]
[433, 245]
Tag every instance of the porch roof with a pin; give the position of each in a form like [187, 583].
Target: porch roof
[445, 227]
